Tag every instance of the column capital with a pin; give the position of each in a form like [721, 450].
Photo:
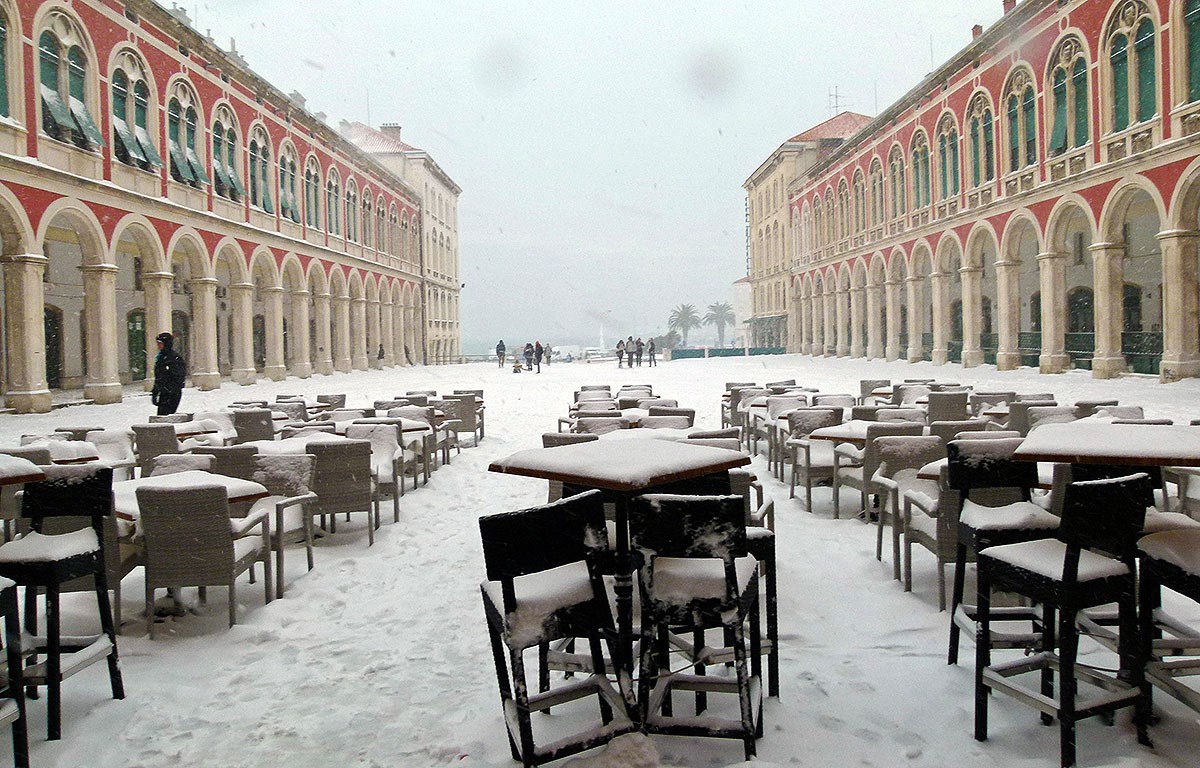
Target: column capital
[359, 300]
[271, 289]
[964, 271]
[1106, 247]
[155, 277]
[341, 299]
[23, 258]
[302, 293]
[205, 281]
[99, 268]
[1050, 256]
[1178, 234]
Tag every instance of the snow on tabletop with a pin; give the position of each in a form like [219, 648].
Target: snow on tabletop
[648, 433]
[35, 547]
[1098, 441]
[15, 466]
[620, 464]
[66, 450]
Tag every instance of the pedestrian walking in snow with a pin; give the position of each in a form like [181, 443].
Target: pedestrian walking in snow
[528, 356]
[170, 371]
[538, 351]
[639, 346]
[500, 349]
[650, 349]
[620, 352]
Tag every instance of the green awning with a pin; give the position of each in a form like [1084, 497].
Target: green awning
[180, 163]
[197, 168]
[127, 140]
[143, 140]
[57, 111]
[84, 120]
[222, 177]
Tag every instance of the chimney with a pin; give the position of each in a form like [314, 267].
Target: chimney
[1008, 5]
[391, 130]
[976, 31]
[298, 98]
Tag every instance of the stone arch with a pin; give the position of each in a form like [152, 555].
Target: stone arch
[233, 311]
[267, 318]
[1130, 282]
[981, 255]
[296, 310]
[141, 289]
[919, 286]
[948, 300]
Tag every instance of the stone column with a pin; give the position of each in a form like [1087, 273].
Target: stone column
[103, 382]
[358, 333]
[941, 319]
[322, 319]
[817, 342]
[828, 326]
[972, 294]
[916, 305]
[1008, 315]
[276, 367]
[373, 328]
[156, 291]
[857, 299]
[241, 353]
[1052, 280]
[892, 290]
[399, 333]
[1109, 301]
[301, 352]
[874, 326]
[24, 318]
[388, 317]
[1181, 335]
[804, 323]
[843, 322]
[205, 374]
[341, 333]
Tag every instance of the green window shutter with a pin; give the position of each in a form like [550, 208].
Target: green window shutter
[976, 180]
[3, 65]
[1119, 58]
[127, 141]
[120, 95]
[223, 184]
[989, 148]
[1014, 134]
[76, 73]
[266, 200]
[55, 114]
[1058, 137]
[954, 169]
[1147, 72]
[1079, 82]
[1191, 18]
[902, 194]
[55, 117]
[147, 145]
[48, 60]
[943, 167]
[283, 197]
[141, 106]
[253, 177]
[231, 163]
[192, 158]
[180, 169]
[1030, 107]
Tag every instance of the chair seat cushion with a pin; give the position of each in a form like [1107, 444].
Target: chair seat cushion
[293, 516]
[1045, 557]
[1168, 521]
[244, 547]
[36, 547]
[681, 580]
[906, 481]
[1018, 516]
[539, 597]
[1179, 547]
[820, 454]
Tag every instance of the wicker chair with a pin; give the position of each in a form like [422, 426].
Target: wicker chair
[344, 483]
[659, 410]
[554, 440]
[10, 505]
[288, 478]
[867, 386]
[151, 441]
[226, 433]
[333, 401]
[192, 541]
[387, 462]
[664, 422]
[296, 410]
[856, 467]
[900, 457]
[420, 455]
[479, 408]
[169, 464]
[812, 459]
[231, 461]
[115, 448]
[170, 418]
[649, 402]
[253, 424]
[600, 426]
[946, 406]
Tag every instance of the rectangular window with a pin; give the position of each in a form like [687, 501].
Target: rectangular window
[1147, 72]
[1120, 70]
[1058, 136]
[1080, 84]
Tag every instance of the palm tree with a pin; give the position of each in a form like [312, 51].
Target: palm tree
[720, 315]
[684, 318]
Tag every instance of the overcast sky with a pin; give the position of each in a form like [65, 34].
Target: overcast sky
[600, 146]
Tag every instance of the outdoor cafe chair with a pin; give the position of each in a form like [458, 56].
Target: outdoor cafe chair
[151, 441]
[1018, 414]
[983, 401]
[855, 467]
[461, 409]
[663, 422]
[554, 440]
[480, 410]
[191, 541]
[696, 574]
[170, 463]
[418, 399]
[900, 458]
[223, 419]
[867, 387]
[1088, 562]
[1050, 414]
[1168, 559]
[115, 449]
[12, 700]
[296, 410]
[170, 418]
[910, 415]
[601, 425]
[1085, 408]
[811, 459]
[288, 479]
[760, 542]
[385, 405]
[311, 428]
[333, 401]
[909, 392]
[544, 584]
[231, 460]
[595, 387]
[662, 410]
[946, 406]
[386, 458]
[343, 480]
[663, 402]
[43, 562]
[253, 424]
[948, 430]
[10, 494]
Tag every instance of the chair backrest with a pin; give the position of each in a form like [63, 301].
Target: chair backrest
[728, 443]
[895, 453]
[732, 385]
[36, 454]
[290, 396]
[385, 405]
[704, 434]
[152, 440]
[593, 388]
[987, 434]
[249, 404]
[1106, 515]
[735, 400]
[783, 383]
[631, 400]
[978, 464]
[187, 535]
[1121, 411]
[556, 439]
[426, 392]
[596, 413]
[982, 401]
[1036, 396]
[802, 421]
[870, 459]
[1018, 413]
[660, 401]
[540, 538]
[947, 430]
[676, 525]
[596, 405]
[253, 424]
[309, 429]
[334, 401]
[476, 392]
[1146, 422]
[1085, 408]
[345, 414]
[867, 386]
[592, 394]
[599, 425]
[835, 400]
[417, 399]
[231, 461]
[170, 463]
[664, 422]
[866, 412]
[909, 393]
[42, 439]
[284, 474]
[111, 444]
[777, 405]
[384, 440]
[74, 490]
[1050, 414]
[661, 410]
[947, 406]
[170, 418]
[462, 411]
[912, 415]
[295, 410]
[342, 475]
[415, 412]
[223, 419]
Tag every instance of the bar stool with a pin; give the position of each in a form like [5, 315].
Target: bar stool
[13, 708]
[1169, 559]
[46, 562]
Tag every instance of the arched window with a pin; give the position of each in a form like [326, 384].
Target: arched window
[1021, 106]
[948, 165]
[843, 222]
[876, 193]
[1134, 70]
[830, 218]
[860, 204]
[983, 143]
[380, 226]
[260, 171]
[351, 212]
[130, 112]
[1069, 86]
[287, 186]
[63, 74]
[1191, 20]
[368, 220]
[920, 162]
[818, 224]
[181, 137]
[312, 194]
[899, 185]
[225, 156]
[333, 203]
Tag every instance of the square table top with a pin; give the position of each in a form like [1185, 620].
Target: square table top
[853, 431]
[622, 465]
[1098, 442]
[293, 445]
[125, 491]
[15, 470]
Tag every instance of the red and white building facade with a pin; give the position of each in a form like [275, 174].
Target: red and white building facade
[1034, 201]
[150, 182]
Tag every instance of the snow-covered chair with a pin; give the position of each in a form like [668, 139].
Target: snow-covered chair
[659, 410]
[387, 458]
[226, 434]
[152, 441]
[170, 463]
[253, 424]
[554, 440]
[601, 425]
[855, 467]
[288, 478]
[900, 458]
[811, 459]
[664, 422]
[12, 708]
[115, 448]
[344, 482]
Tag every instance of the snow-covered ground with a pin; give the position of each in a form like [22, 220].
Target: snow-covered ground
[379, 656]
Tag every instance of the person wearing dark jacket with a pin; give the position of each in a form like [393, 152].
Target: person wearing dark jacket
[528, 356]
[650, 348]
[169, 373]
[500, 348]
[538, 351]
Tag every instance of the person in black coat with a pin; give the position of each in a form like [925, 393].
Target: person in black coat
[538, 351]
[528, 356]
[500, 349]
[169, 373]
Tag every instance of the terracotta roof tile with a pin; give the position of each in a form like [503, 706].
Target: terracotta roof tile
[371, 139]
[841, 126]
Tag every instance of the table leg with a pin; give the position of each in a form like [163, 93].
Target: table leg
[623, 589]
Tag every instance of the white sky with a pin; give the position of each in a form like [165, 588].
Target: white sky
[601, 147]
